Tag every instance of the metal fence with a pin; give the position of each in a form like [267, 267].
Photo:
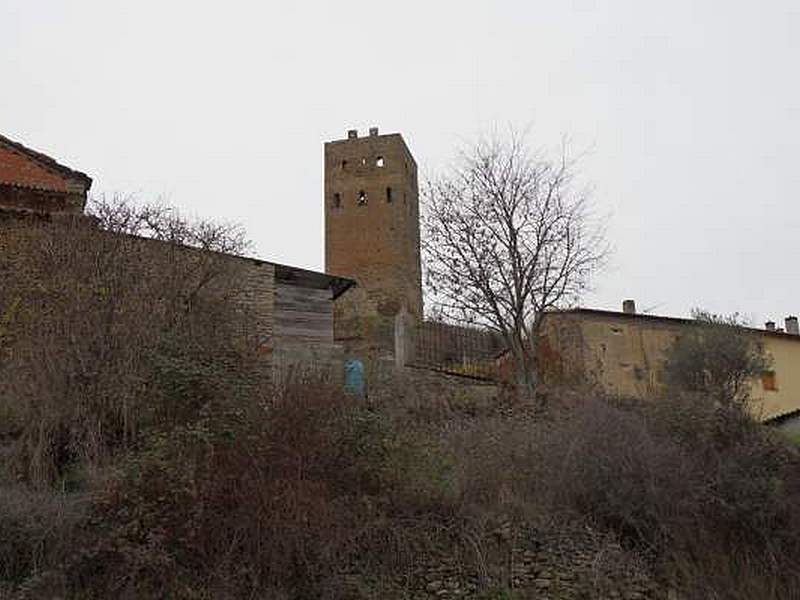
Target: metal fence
[458, 350]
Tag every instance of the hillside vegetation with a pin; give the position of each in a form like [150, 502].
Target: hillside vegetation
[142, 457]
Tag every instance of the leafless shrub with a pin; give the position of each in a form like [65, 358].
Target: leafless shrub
[105, 332]
[284, 494]
[123, 364]
[700, 489]
[37, 529]
[304, 491]
[159, 221]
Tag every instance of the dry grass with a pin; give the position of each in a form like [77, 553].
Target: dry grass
[705, 492]
[139, 464]
[301, 494]
[100, 336]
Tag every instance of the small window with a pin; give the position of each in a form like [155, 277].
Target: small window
[388, 194]
[344, 165]
[379, 162]
[337, 200]
[362, 198]
[363, 161]
[769, 381]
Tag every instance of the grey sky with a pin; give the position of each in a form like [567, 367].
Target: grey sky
[690, 109]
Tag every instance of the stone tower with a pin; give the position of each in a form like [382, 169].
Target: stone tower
[372, 235]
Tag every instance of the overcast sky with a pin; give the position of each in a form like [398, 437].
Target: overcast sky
[689, 110]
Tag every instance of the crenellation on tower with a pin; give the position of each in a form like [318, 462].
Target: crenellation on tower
[372, 233]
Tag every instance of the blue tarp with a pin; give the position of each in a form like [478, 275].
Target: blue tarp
[354, 377]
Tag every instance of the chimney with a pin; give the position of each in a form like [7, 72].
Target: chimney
[792, 326]
[770, 325]
[629, 307]
[373, 131]
[352, 134]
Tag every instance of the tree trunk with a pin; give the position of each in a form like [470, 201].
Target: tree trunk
[526, 376]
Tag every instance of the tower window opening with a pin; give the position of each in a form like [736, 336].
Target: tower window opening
[362, 198]
[388, 194]
[363, 161]
[344, 165]
[379, 162]
[337, 200]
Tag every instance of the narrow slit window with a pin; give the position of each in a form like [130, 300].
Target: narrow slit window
[363, 161]
[337, 200]
[362, 198]
[344, 165]
[388, 194]
[379, 162]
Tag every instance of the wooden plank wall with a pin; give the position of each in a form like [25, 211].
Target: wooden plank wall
[303, 314]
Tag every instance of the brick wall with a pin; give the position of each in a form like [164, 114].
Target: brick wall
[43, 201]
[34, 182]
[372, 234]
[18, 167]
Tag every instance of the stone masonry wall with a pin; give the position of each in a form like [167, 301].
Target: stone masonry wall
[249, 283]
[255, 297]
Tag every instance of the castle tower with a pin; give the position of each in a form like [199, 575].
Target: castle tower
[372, 234]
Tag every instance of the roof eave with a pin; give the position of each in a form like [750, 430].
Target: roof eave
[659, 318]
[49, 162]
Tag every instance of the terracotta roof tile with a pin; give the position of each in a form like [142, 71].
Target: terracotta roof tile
[23, 167]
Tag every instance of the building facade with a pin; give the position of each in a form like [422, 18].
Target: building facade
[371, 201]
[624, 354]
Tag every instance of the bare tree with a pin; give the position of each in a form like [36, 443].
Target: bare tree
[507, 237]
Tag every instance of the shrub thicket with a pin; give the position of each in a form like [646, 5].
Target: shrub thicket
[100, 328]
[707, 493]
[294, 496]
[142, 462]
[717, 358]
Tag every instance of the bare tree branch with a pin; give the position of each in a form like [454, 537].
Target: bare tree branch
[507, 238]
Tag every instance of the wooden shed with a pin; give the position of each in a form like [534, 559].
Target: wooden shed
[303, 310]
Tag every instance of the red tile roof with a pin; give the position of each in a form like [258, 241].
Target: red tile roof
[23, 167]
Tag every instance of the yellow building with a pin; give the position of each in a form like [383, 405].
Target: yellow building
[624, 353]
